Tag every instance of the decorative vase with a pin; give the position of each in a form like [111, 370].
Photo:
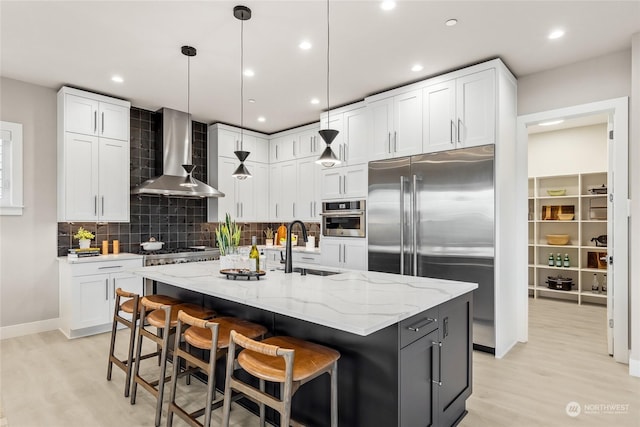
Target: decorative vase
[269, 242]
[84, 243]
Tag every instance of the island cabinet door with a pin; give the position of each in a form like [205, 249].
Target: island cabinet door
[456, 319]
[419, 362]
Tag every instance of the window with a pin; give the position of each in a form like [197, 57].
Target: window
[10, 168]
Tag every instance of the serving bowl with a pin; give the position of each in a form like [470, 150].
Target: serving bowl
[557, 239]
[565, 216]
[559, 192]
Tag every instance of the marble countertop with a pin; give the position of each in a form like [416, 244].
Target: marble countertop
[99, 258]
[359, 302]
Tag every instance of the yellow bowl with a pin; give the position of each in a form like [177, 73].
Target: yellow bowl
[557, 239]
[561, 192]
[565, 216]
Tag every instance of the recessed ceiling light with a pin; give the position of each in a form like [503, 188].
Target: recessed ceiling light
[551, 122]
[251, 101]
[261, 119]
[388, 5]
[450, 22]
[315, 101]
[117, 79]
[556, 34]
[249, 72]
[304, 45]
[417, 68]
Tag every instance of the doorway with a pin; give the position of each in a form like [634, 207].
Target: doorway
[616, 114]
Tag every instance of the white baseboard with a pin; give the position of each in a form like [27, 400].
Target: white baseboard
[28, 328]
[634, 367]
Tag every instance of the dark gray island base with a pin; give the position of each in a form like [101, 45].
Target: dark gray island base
[414, 373]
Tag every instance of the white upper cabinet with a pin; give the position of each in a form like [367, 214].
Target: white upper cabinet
[460, 112]
[476, 107]
[309, 143]
[355, 125]
[283, 191]
[229, 139]
[308, 206]
[344, 183]
[246, 199]
[351, 145]
[283, 148]
[396, 125]
[93, 157]
[88, 116]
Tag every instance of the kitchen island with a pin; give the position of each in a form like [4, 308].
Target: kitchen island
[405, 342]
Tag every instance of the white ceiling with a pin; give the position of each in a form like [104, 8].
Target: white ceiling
[51, 43]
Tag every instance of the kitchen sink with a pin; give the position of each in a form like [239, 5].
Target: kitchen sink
[312, 271]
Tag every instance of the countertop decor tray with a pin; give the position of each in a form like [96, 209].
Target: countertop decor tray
[232, 273]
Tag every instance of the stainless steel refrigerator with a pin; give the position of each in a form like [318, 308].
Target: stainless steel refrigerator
[432, 215]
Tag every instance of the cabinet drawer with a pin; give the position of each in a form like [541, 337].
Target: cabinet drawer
[104, 267]
[310, 258]
[418, 326]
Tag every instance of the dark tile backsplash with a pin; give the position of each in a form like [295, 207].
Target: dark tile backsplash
[176, 222]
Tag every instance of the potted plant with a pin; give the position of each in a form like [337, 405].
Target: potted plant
[268, 233]
[84, 237]
[228, 237]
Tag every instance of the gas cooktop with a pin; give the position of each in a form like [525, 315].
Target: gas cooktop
[180, 255]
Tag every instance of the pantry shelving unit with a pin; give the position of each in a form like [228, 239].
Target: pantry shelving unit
[589, 221]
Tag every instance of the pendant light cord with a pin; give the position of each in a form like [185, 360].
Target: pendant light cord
[241, 84]
[328, 38]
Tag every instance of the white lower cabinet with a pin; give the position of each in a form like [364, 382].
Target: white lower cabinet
[344, 182]
[348, 253]
[87, 293]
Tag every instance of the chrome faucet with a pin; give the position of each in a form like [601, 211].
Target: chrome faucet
[288, 265]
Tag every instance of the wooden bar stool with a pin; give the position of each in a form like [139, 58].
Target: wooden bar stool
[131, 307]
[164, 318]
[285, 360]
[212, 335]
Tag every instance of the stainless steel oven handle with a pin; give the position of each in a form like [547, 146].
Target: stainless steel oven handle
[343, 213]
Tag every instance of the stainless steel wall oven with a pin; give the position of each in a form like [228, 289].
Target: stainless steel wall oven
[344, 218]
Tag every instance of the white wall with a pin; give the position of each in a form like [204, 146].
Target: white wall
[567, 151]
[597, 79]
[28, 266]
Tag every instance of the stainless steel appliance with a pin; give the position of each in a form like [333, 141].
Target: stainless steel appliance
[432, 215]
[180, 255]
[344, 218]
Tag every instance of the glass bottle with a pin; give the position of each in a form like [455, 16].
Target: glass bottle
[566, 263]
[254, 254]
[604, 284]
[594, 284]
[551, 260]
[558, 261]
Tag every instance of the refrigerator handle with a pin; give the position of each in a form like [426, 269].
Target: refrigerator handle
[402, 225]
[414, 218]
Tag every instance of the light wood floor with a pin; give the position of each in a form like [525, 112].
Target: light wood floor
[47, 380]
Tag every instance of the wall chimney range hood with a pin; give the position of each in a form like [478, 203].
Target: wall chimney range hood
[174, 160]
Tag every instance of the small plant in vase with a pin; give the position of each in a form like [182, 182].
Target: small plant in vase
[84, 237]
[228, 236]
[268, 233]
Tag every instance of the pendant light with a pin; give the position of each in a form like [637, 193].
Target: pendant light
[242, 13]
[189, 52]
[328, 157]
